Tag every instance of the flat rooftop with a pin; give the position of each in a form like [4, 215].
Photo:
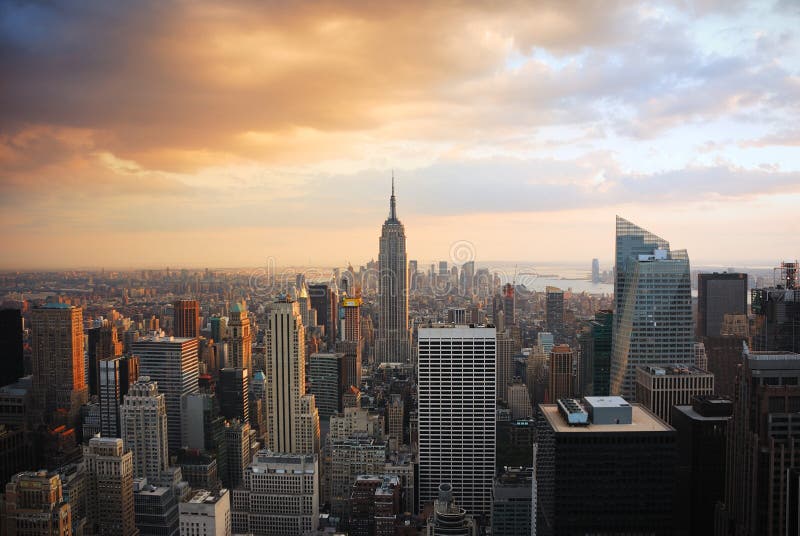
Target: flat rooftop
[642, 421]
[673, 370]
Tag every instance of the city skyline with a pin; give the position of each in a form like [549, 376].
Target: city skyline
[528, 122]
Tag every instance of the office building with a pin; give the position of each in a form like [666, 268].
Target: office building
[374, 505]
[326, 379]
[186, 319]
[199, 469]
[595, 351]
[233, 391]
[449, 519]
[505, 364]
[718, 295]
[603, 467]
[393, 338]
[12, 363]
[511, 502]
[280, 496]
[172, 362]
[519, 401]
[345, 460]
[34, 505]
[724, 355]
[563, 372]
[653, 306]
[555, 311]
[545, 343]
[456, 400]
[206, 514]
[292, 416]
[762, 438]
[701, 429]
[109, 472]
[595, 271]
[115, 377]
[143, 417]
[59, 382]
[156, 509]
[509, 305]
[402, 465]
[324, 299]
[16, 453]
[777, 315]
[395, 413]
[102, 343]
[659, 388]
[238, 450]
[206, 428]
[240, 339]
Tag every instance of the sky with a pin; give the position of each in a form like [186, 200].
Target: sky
[223, 134]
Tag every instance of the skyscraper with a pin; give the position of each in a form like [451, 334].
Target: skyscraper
[659, 388]
[563, 372]
[653, 317]
[509, 305]
[233, 391]
[116, 376]
[144, 429]
[555, 311]
[292, 415]
[172, 362]
[59, 381]
[109, 472]
[325, 376]
[12, 364]
[102, 343]
[324, 299]
[35, 506]
[595, 345]
[718, 295]
[456, 385]
[240, 340]
[393, 340]
[186, 319]
[595, 271]
[777, 314]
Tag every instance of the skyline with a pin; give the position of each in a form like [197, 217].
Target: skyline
[522, 129]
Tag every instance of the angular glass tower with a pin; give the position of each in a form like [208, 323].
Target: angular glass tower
[653, 321]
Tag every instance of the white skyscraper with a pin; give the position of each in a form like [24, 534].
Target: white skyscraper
[393, 338]
[292, 417]
[143, 416]
[172, 362]
[456, 383]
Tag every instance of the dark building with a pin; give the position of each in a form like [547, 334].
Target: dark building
[374, 505]
[555, 312]
[718, 295]
[595, 344]
[724, 355]
[186, 319]
[102, 343]
[511, 502]
[702, 446]
[156, 510]
[326, 382]
[16, 453]
[12, 361]
[604, 467]
[233, 391]
[763, 435]
[777, 319]
[325, 301]
[199, 469]
[509, 305]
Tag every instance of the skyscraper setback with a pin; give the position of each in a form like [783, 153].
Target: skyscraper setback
[653, 298]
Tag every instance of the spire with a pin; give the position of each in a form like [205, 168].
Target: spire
[392, 203]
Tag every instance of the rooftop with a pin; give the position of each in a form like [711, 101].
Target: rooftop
[206, 497]
[673, 370]
[642, 420]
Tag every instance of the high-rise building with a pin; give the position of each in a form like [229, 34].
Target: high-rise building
[374, 505]
[653, 306]
[762, 443]
[206, 428]
[12, 364]
[115, 378]
[519, 401]
[102, 343]
[505, 362]
[511, 502]
[346, 459]
[280, 495]
[186, 318]
[206, 514]
[509, 305]
[240, 339]
[595, 348]
[237, 448]
[143, 417]
[448, 518]
[325, 300]
[724, 355]
[777, 317]
[156, 509]
[109, 471]
[659, 388]
[35, 506]
[292, 416]
[233, 391]
[199, 468]
[701, 429]
[456, 386]
[605, 467]
[718, 295]
[555, 311]
[393, 339]
[59, 381]
[395, 412]
[172, 362]
[352, 319]
[563, 372]
[325, 376]
[595, 271]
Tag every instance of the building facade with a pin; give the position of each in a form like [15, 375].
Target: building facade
[659, 388]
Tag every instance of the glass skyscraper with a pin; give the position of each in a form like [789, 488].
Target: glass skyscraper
[653, 318]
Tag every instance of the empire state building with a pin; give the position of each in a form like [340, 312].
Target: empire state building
[393, 341]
